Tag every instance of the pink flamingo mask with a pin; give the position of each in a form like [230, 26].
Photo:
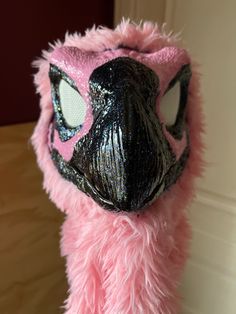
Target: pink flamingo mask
[119, 152]
[119, 142]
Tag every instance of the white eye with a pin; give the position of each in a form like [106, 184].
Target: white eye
[72, 105]
[169, 105]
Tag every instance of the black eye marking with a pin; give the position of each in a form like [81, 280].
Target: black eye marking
[183, 78]
[69, 106]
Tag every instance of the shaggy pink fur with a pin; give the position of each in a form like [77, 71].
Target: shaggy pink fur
[120, 263]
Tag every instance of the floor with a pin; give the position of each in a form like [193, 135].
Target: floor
[31, 270]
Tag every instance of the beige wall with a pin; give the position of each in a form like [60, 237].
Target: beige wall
[140, 9]
[209, 31]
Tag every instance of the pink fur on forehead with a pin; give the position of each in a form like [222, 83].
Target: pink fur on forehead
[146, 37]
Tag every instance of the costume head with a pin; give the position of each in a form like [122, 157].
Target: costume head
[119, 143]
[119, 115]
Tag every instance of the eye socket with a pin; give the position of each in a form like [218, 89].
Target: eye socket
[169, 105]
[174, 101]
[72, 105]
[69, 106]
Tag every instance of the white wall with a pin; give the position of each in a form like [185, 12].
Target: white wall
[209, 31]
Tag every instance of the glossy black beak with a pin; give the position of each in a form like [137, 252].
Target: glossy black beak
[124, 157]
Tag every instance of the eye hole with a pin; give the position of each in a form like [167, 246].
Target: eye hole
[169, 105]
[174, 101]
[69, 106]
[72, 105]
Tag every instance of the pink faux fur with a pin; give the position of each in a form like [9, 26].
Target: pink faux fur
[120, 263]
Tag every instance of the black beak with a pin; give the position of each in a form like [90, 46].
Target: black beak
[124, 157]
